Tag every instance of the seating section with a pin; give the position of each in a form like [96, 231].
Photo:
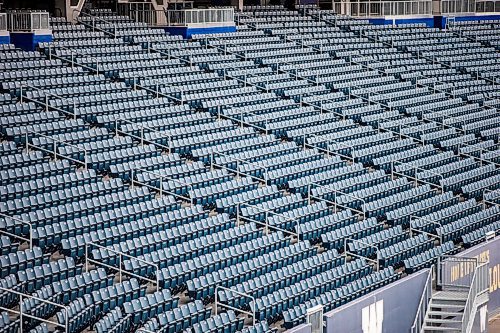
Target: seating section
[307, 158]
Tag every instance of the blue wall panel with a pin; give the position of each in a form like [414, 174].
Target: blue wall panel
[5, 39]
[28, 40]
[429, 21]
[187, 32]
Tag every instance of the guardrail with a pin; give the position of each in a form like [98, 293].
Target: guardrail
[162, 179]
[200, 16]
[368, 8]
[26, 20]
[350, 253]
[469, 6]
[29, 240]
[267, 215]
[55, 152]
[3, 21]
[423, 305]
[479, 285]
[121, 271]
[20, 311]
[455, 273]
[222, 305]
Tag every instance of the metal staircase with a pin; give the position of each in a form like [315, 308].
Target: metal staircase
[451, 306]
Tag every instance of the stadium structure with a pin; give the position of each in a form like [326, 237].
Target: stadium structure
[212, 167]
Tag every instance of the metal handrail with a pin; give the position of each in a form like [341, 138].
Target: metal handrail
[218, 303]
[94, 18]
[239, 161]
[479, 285]
[161, 189]
[21, 313]
[423, 305]
[120, 270]
[54, 151]
[15, 219]
[268, 213]
[347, 252]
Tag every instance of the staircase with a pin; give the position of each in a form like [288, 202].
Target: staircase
[452, 305]
[445, 312]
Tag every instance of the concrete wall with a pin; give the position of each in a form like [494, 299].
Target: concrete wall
[392, 307]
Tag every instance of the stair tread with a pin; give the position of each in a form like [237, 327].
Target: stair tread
[439, 328]
[447, 305]
[445, 313]
[451, 295]
[442, 321]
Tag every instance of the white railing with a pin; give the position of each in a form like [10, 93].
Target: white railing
[415, 228]
[3, 21]
[161, 189]
[142, 128]
[54, 151]
[239, 162]
[222, 305]
[120, 268]
[25, 87]
[241, 120]
[423, 305]
[329, 191]
[480, 285]
[26, 20]
[53, 54]
[495, 197]
[29, 239]
[94, 20]
[480, 150]
[416, 171]
[455, 273]
[224, 16]
[347, 252]
[329, 150]
[267, 215]
[20, 312]
[373, 8]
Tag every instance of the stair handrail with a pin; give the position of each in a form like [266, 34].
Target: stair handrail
[479, 285]
[423, 305]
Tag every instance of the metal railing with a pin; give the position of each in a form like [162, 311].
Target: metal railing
[469, 6]
[455, 273]
[331, 191]
[121, 271]
[423, 305]
[222, 305]
[26, 20]
[142, 129]
[350, 253]
[368, 8]
[20, 311]
[3, 21]
[415, 228]
[161, 187]
[46, 103]
[200, 16]
[234, 160]
[95, 19]
[29, 239]
[480, 285]
[267, 215]
[416, 172]
[54, 151]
